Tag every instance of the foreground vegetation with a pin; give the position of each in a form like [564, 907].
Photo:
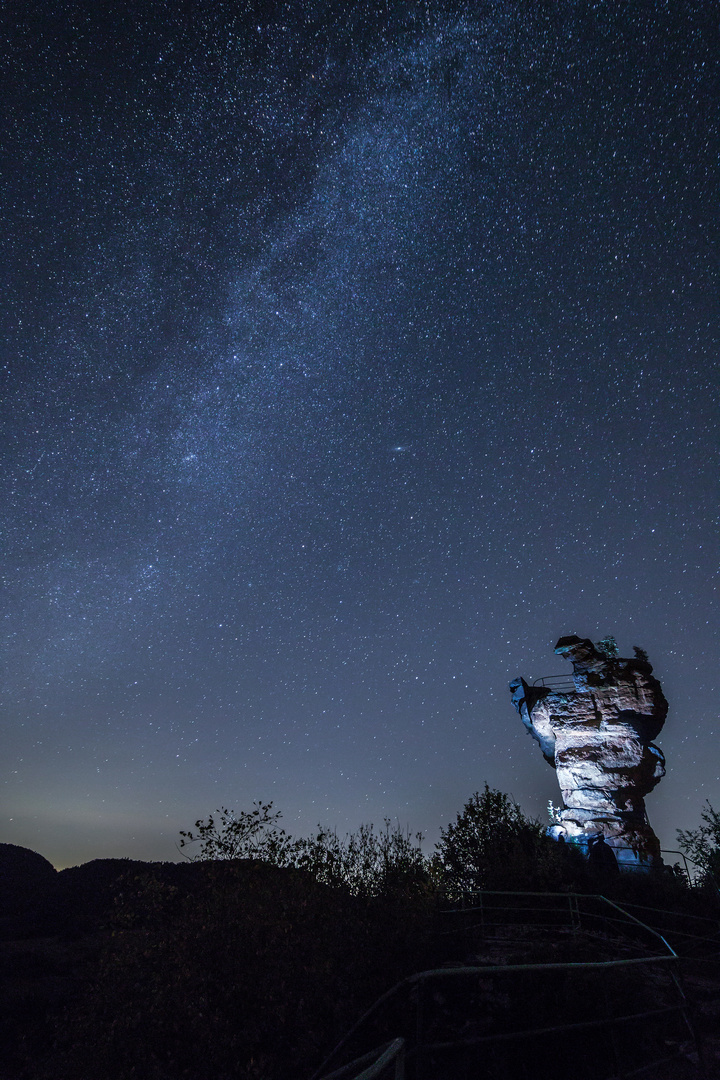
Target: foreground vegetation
[491, 844]
[253, 958]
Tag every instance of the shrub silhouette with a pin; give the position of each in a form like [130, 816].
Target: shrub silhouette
[251, 972]
[366, 862]
[493, 845]
[702, 845]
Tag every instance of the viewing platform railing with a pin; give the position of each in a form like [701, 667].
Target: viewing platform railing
[561, 684]
[635, 943]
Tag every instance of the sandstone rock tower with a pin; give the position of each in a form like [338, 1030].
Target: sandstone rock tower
[596, 729]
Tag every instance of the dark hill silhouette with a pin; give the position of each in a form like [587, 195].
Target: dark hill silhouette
[29, 895]
[90, 891]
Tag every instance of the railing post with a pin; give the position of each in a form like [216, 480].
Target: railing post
[400, 1064]
[677, 977]
[419, 1061]
[574, 913]
[620, 1072]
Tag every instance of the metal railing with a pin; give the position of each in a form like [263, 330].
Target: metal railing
[559, 683]
[589, 913]
[380, 1059]
[691, 875]
[694, 937]
[638, 864]
[596, 915]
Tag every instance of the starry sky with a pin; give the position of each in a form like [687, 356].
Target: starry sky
[352, 353]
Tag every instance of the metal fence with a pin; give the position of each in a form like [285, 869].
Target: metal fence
[374, 1063]
[560, 684]
[467, 1007]
[694, 937]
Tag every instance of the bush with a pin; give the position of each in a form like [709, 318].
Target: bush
[608, 647]
[702, 845]
[251, 834]
[493, 845]
[365, 863]
[235, 969]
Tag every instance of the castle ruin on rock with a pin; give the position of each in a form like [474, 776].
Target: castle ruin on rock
[596, 729]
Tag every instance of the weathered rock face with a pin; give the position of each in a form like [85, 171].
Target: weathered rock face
[596, 729]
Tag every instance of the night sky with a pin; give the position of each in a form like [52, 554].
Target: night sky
[351, 355]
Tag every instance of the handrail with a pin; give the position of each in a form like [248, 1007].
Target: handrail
[506, 1036]
[448, 973]
[552, 680]
[469, 971]
[641, 923]
[568, 906]
[392, 1051]
[683, 856]
[652, 920]
[555, 965]
[676, 914]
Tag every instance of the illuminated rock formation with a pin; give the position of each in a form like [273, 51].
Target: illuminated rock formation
[596, 729]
